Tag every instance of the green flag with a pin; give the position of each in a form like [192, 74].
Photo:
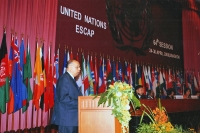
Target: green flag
[27, 76]
[4, 76]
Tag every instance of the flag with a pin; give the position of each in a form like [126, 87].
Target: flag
[95, 75]
[4, 75]
[136, 75]
[27, 77]
[128, 69]
[149, 78]
[45, 68]
[18, 88]
[85, 81]
[10, 104]
[146, 77]
[117, 72]
[92, 74]
[22, 62]
[104, 73]
[102, 87]
[125, 75]
[38, 75]
[55, 71]
[64, 63]
[143, 83]
[130, 75]
[109, 73]
[154, 82]
[139, 75]
[91, 88]
[49, 91]
[164, 84]
[120, 70]
[71, 56]
[113, 72]
[178, 83]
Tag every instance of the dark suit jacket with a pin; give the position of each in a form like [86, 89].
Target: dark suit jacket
[66, 104]
[141, 97]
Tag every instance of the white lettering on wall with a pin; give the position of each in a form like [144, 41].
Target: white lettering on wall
[70, 13]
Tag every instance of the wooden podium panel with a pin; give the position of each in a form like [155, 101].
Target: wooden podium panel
[94, 119]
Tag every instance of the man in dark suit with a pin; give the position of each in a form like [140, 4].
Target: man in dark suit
[139, 92]
[65, 113]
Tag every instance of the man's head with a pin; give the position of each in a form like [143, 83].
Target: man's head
[139, 89]
[73, 67]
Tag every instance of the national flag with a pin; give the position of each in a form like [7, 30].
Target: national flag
[85, 79]
[166, 78]
[130, 75]
[4, 75]
[170, 81]
[178, 83]
[149, 78]
[188, 85]
[113, 72]
[38, 75]
[104, 73]
[109, 73]
[64, 62]
[55, 71]
[27, 77]
[49, 91]
[95, 75]
[154, 82]
[18, 88]
[146, 77]
[91, 87]
[10, 107]
[71, 55]
[128, 69]
[125, 74]
[136, 75]
[22, 62]
[143, 83]
[139, 75]
[92, 69]
[120, 70]
[43, 85]
[162, 84]
[117, 72]
[102, 87]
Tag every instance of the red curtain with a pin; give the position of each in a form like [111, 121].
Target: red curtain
[191, 37]
[29, 19]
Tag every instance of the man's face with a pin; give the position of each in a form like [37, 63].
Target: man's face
[74, 68]
[140, 91]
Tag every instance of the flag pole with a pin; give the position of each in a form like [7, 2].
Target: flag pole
[0, 120]
[13, 121]
[6, 122]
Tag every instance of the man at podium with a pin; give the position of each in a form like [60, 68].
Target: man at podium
[65, 113]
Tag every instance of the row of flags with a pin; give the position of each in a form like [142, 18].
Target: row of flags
[15, 75]
[96, 75]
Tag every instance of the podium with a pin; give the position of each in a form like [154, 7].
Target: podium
[96, 119]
